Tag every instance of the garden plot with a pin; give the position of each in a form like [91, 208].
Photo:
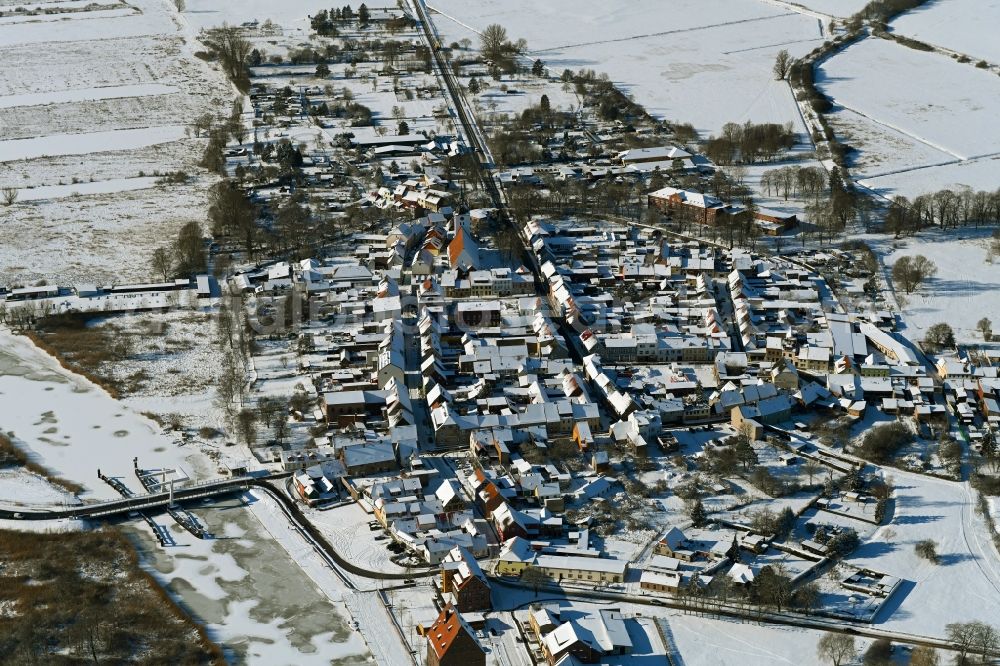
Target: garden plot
[660, 52]
[375, 92]
[965, 26]
[872, 84]
[965, 288]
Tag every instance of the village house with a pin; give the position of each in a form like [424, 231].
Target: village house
[463, 582]
[451, 641]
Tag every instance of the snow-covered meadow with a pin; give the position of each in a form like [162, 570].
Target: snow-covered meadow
[965, 288]
[907, 128]
[73, 427]
[703, 63]
[964, 586]
[96, 105]
[964, 26]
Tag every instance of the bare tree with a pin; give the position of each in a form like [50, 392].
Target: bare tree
[9, 195]
[835, 648]
[924, 656]
[233, 50]
[909, 272]
[162, 262]
[811, 468]
[782, 63]
[246, 425]
[493, 42]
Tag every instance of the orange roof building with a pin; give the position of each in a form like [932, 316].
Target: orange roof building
[451, 641]
[463, 251]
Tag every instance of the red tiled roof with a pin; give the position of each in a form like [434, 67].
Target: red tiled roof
[456, 246]
[445, 629]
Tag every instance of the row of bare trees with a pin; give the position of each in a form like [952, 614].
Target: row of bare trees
[948, 209]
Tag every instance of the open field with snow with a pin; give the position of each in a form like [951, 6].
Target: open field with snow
[965, 26]
[289, 15]
[950, 106]
[837, 8]
[979, 174]
[88, 121]
[965, 288]
[964, 586]
[914, 134]
[707, 64]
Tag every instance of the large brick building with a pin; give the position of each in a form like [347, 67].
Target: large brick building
[702, 208]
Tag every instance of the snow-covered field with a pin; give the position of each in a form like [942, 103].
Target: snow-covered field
[94, 105]
[19, 487]
[88, 142]
[289, 15]
[979, 174]
[965, 26]
[965, 288]
[837, 8]
[704, 63]
[908, 127]
[85, 94]
[955, 115]
[964, 586]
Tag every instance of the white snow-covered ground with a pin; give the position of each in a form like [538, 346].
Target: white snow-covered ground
[85, 189]
[289, 15]
[88, 142]
[85, 94]
[949, 106]
[21, 488]
[73, 427]
[838, 8]
[78, 26]
[965, 288]
[964, 586]
[965, 26]
[347, 530]
[979, 174]
[704, 63]
[915, 134]
[702, 641]
[95, 104]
